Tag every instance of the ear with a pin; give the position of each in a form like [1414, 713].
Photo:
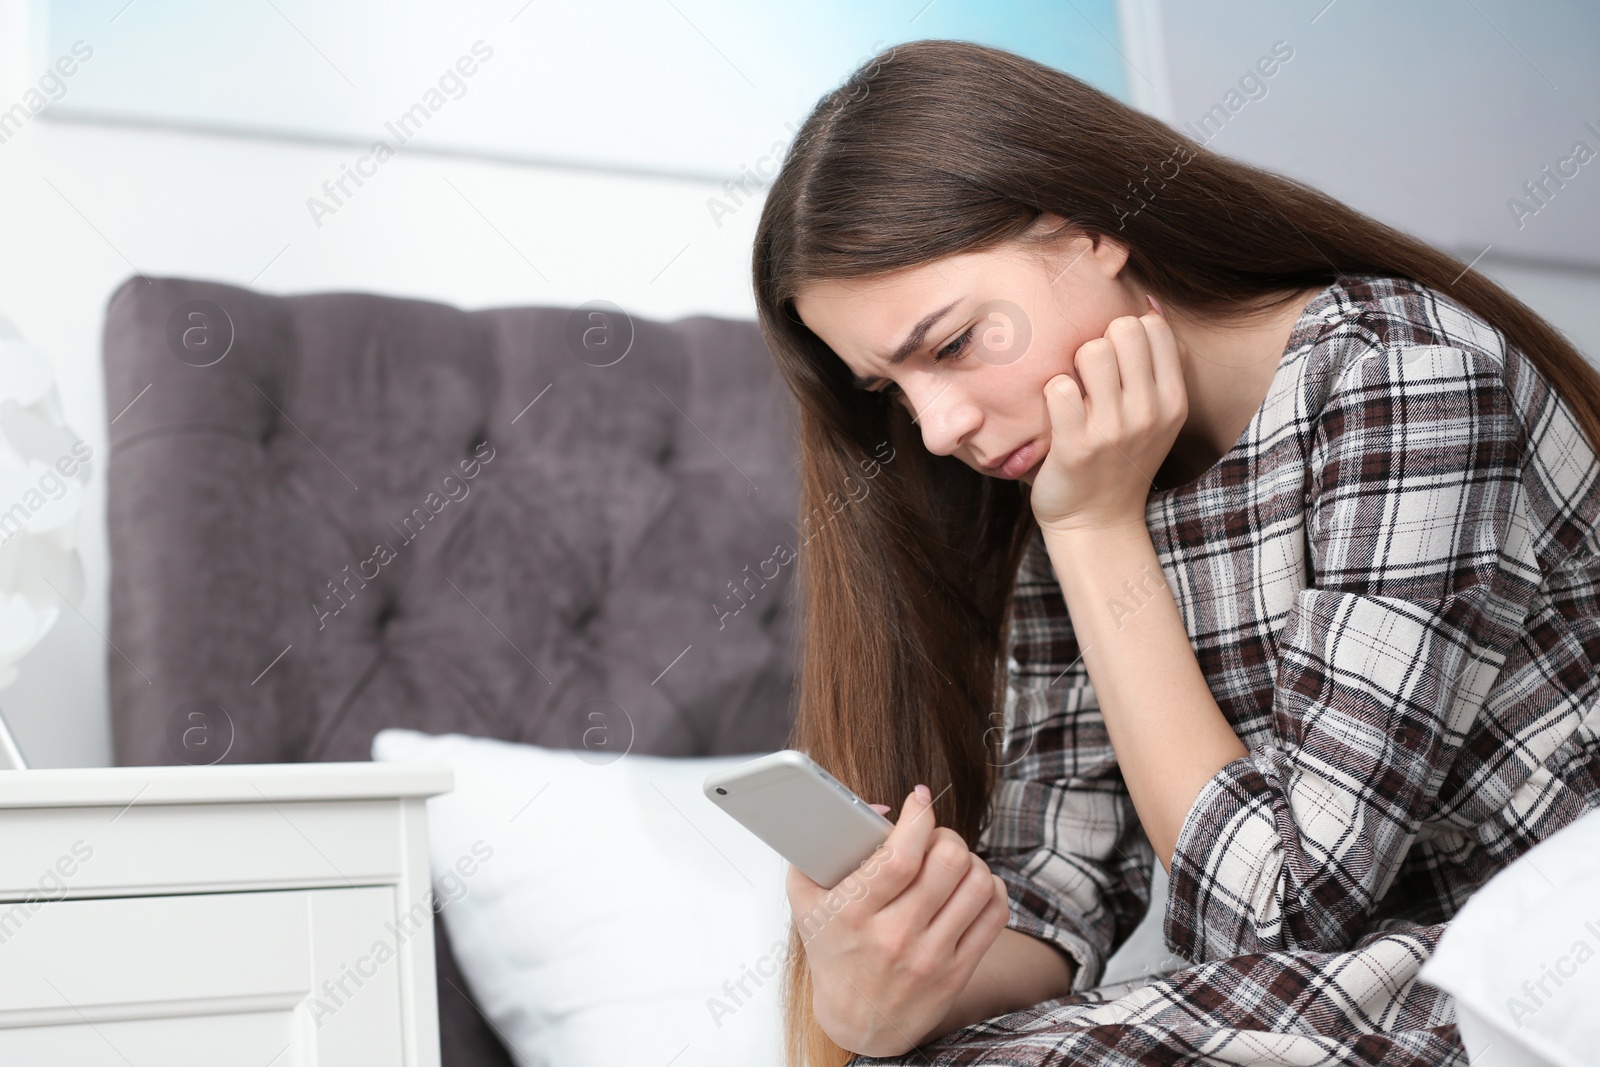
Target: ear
[1110, 255]
[1047, 222]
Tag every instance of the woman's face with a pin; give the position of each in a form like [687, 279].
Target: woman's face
[981, 334]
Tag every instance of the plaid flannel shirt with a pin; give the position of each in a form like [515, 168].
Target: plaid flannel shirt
[1391, 583]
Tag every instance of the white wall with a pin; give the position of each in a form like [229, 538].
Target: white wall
[1567, 296]
[1431, 114]
[85, 206]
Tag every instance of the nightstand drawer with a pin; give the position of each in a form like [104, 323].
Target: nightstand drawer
[266, 915]
[294, 977]
[168, 848]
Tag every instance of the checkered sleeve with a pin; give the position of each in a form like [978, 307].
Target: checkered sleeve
[1062, 833]
[1418, 536]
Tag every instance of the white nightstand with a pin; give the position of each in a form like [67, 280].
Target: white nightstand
[273, 915]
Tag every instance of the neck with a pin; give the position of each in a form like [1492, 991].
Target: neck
[1227, 371]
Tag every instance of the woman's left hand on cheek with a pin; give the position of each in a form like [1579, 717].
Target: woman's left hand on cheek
[1108, 439]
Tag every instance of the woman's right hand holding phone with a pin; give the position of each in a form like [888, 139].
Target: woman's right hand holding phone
[892, 946]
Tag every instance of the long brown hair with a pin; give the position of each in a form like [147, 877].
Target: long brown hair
[943, 147]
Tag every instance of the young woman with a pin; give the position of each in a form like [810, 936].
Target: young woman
[1223, 523]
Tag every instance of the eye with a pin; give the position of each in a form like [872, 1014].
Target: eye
[956, 348]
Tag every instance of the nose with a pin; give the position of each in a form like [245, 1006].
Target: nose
[945, 416]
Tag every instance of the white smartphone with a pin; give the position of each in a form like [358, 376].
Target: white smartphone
[805, 814]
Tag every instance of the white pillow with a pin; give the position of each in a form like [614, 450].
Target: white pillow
[1522, 956]
[612, 915]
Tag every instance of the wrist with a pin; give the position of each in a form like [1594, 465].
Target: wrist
[1017, 972]
[1090, 529]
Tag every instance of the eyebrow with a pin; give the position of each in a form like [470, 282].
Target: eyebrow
[913, 340]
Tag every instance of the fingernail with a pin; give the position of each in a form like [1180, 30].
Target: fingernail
[924, 794]
[881, 809]
[1155, 305]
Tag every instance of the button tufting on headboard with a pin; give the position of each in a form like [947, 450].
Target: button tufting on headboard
[548, 551]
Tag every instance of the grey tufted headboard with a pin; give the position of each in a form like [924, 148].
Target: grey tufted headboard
[333, 513]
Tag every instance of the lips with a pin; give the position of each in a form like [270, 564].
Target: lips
[1017, 463]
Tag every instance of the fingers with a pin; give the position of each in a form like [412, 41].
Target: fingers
[974, 892]
[947, 862]
[905, 846]
[1165, 362]
[986, 926]
[1065, 404]
[1096, 364]
[1134, 363]
[1131, 375]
